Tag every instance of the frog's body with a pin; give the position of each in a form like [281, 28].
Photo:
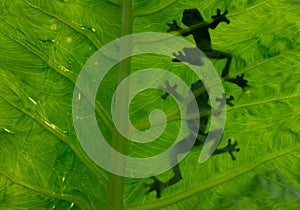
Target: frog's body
[203, 42]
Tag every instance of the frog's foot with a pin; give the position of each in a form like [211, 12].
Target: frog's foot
[179, 56]
[192, 56]
[156, 186]
[221, 17]
[170, 90]
[230, 148]
[173, 26]
[229, 101]
[240, 81]
[224, 99]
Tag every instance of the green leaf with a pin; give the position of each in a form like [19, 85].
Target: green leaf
[43, 47]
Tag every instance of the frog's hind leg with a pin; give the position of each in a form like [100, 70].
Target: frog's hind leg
[158, 186]
[220, 55]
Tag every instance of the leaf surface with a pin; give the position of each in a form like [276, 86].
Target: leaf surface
[43, 47]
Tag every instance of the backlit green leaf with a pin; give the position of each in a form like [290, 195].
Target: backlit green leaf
[45, 44]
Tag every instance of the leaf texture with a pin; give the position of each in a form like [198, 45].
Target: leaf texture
[43, 47]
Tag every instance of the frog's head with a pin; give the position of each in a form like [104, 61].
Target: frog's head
[191, 17]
